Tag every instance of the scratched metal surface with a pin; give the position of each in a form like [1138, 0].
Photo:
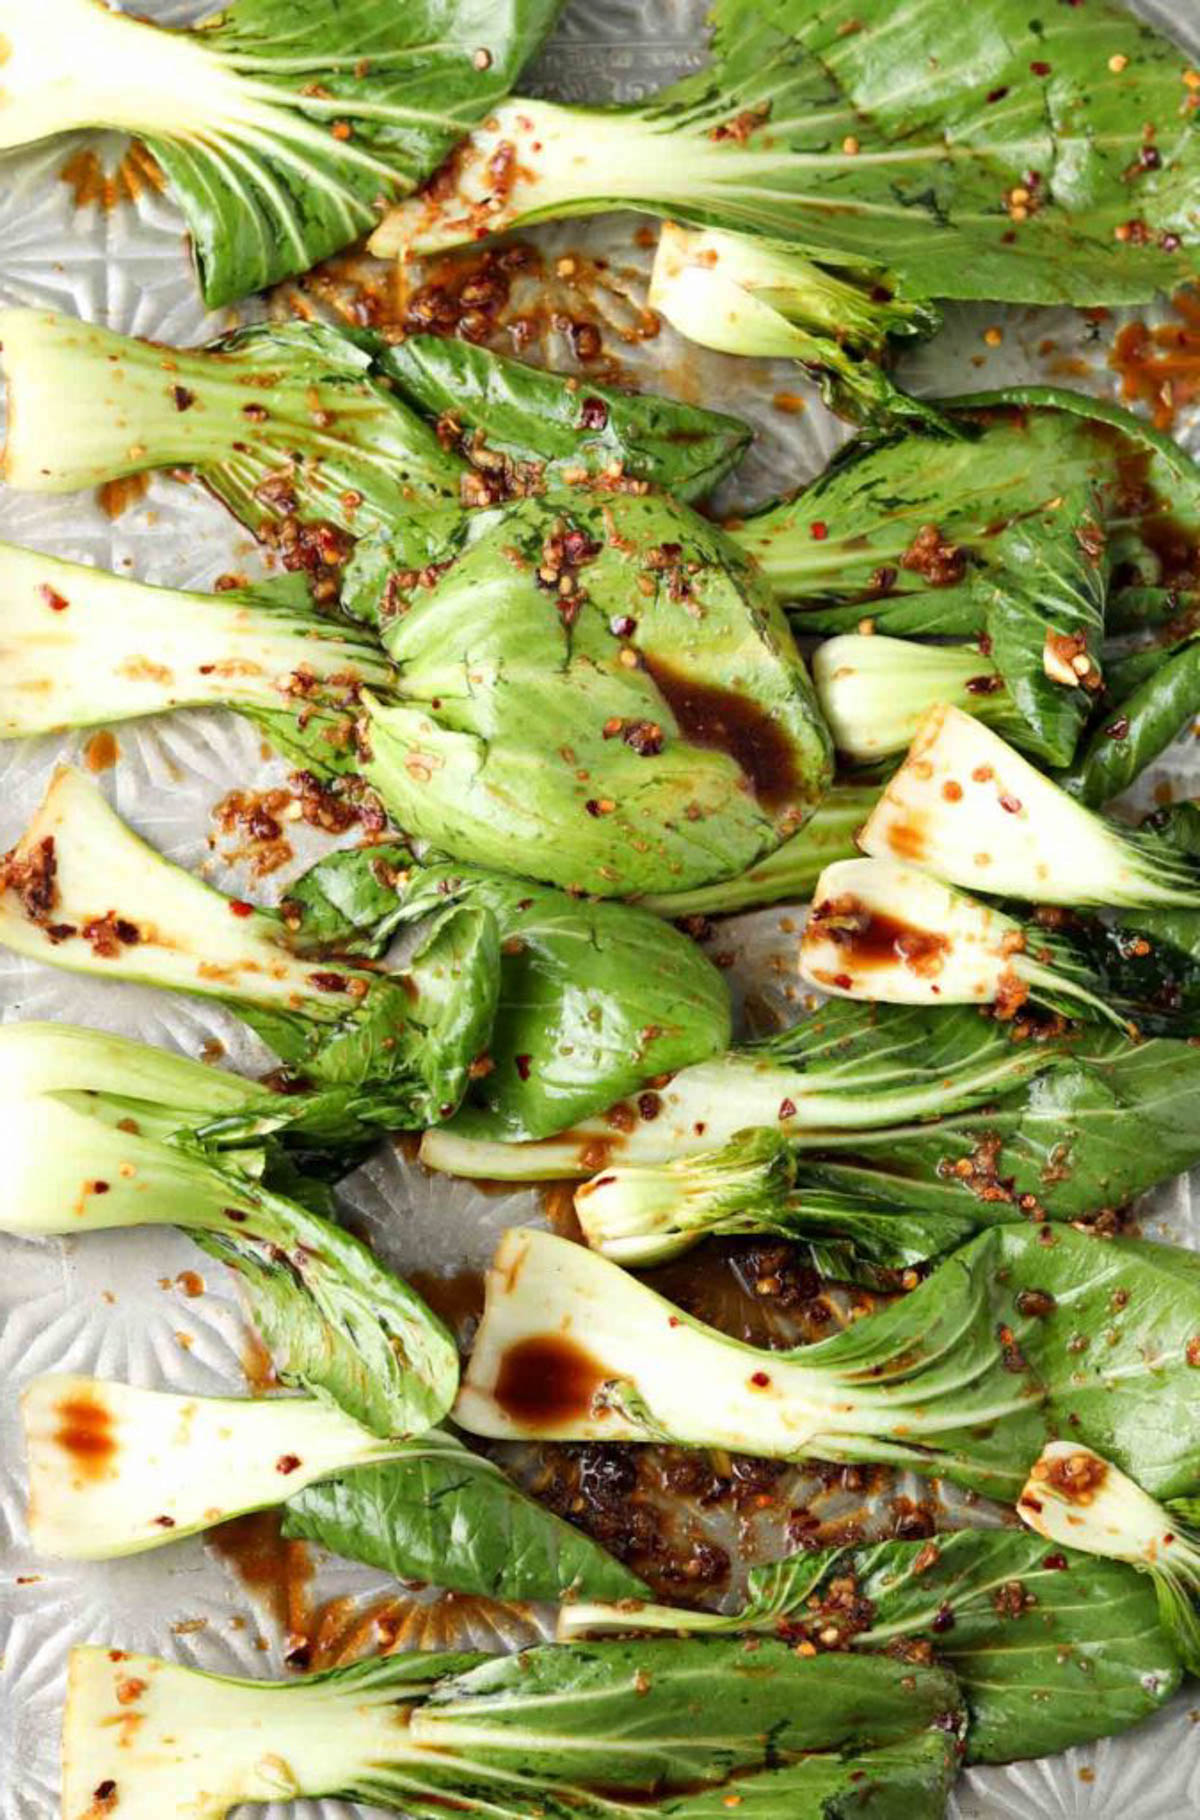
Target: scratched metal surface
[98, 1304]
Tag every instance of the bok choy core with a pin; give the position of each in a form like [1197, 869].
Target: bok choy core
[1050, 1649]
[744, 295]
[283, 129]
[102, 1133]
[1008, 170]
[602, 1731]
[79, 646]
[887, 932]
[114, 1470]
[596, 691]
[969, 809]
[1011, 1339]
[1074, 1496]
[82, 891]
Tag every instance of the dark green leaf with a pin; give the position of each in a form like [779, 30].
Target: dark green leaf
[443, 1514]
[572, 425]
[333, 110]
[1137, 726]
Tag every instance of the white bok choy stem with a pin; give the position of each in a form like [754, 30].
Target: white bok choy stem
[874, 690]
[80, 646]
[81, 890]
[883, 931]
[968, 808]
[1075, 1497]
[114, 1469]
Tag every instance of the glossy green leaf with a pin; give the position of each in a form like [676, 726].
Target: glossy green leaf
[446, 1515]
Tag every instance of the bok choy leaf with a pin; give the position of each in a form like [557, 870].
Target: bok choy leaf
[80, 890]
[90, 1151]
[971, 810]
[978, 154]
[547, 1730]
[283, 130]
[80, 647]
[1050, 1649]
[1076, 1497]
[114, 1470]
[1009, 1341]
[596, 999]
[312, 435]
[744, 295]
[597, 692]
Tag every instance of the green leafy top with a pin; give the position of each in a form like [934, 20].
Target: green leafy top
[596, 691]
[1051, 1649]
[974, 153]
[595, 998]
[284, 126]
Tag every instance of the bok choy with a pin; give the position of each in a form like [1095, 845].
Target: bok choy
[972, 154]
[114, 1470]
[283, 130]
[968, 808]
[81, 647]
[312, 434]
[887, 932]
[597, 1732]
[596, 999]
[847, 1068]
[744, 295]
[1050, 1649]
[1021, 1333]
[81, 890]
[91, 1149]
[597, 691]
[1074, 1496]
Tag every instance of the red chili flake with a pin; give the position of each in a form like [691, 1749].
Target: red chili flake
[997, 94]
[104, 1791]
[1150, 158]
[329, 982]
[1170, 243]
[165, 1522]
[98, 1188]
[649, 1105]
[1117, 729]
[622, 625]
[1056, 1563]
[942, 1620]
[235, 1214]
[524, 1066]
[787, 1109]
[760, 1379]
[184, 399]
[843, 981]
[593, 414]
[1011, 804]
[287, 1462]
[53, 599]
[239, 907]
[818, 530]
[990, 684]
[1039, 68]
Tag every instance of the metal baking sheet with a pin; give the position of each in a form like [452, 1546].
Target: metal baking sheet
[118, 1305]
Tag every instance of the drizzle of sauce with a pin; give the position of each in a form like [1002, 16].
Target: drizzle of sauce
[558, 1205]
[870, 938]
[101, 752]
[345, 1630]
[1160, 366]
[116, 496]
[458, 1299]
[907, 840]
[548, 1381]
[720, 720]
[85, 1431]
[276, 1573]
[89, 182]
